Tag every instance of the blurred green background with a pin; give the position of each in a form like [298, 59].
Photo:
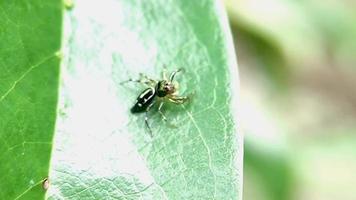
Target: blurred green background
[298, 97]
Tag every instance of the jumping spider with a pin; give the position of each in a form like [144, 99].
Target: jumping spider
[158, 91]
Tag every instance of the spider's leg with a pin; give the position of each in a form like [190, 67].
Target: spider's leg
[178, 99]
[147, 82]
[164, 72]
[146, 120]
[148, 79]
[173, 74]
[147, 125]
[163, 116]
[160, 111]
[134, 80]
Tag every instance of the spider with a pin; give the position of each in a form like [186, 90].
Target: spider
[158, 91]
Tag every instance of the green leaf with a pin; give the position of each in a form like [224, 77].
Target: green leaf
[104, 151]
[29, 70]
[101, 150]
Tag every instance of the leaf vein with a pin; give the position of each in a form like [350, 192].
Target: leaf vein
[205, 145]
[30, 69]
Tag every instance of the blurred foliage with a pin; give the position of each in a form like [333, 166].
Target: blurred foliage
[272, 169]
[304, 30]
[267, 56]
[297, 62]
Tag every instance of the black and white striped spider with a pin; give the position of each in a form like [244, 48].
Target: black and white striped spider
[157, 92]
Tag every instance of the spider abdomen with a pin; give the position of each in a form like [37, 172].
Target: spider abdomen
[144, 100]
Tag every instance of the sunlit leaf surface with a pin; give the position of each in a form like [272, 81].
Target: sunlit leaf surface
[101, 150]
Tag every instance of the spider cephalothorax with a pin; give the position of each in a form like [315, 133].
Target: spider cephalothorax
[164, 88]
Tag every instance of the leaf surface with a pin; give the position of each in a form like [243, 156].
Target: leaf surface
[101, 150]
[29, 70]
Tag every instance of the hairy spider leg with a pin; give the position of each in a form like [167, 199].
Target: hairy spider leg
[164, 72]
[160, 111]
[178, 99]
[163, 115]
[144, 76]
[143, 80]
[173, 74]
[146, 120]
